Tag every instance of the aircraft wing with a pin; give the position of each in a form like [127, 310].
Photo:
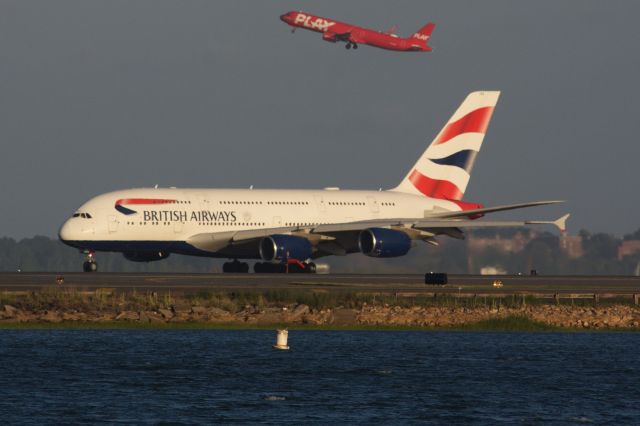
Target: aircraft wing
[333, 37]
[426, 224]
[482, 211]
[421, 228]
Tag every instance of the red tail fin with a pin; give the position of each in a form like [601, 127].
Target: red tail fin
[423, 35]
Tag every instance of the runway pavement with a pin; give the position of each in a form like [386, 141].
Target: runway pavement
[189, 283]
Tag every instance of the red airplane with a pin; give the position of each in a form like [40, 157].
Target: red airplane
[335, 31]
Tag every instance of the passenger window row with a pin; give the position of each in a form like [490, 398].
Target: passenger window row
[289, 203]
[346, 203]
[270, 203]
[231, 223]
[241, 202]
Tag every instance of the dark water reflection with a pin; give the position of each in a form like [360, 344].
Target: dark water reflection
[188, 377]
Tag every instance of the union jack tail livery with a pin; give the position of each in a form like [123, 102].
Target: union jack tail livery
[443, 171]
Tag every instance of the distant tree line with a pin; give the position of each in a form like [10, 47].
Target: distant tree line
[542, 253]
[43, 254]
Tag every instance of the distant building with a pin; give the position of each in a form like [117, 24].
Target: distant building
[513, 244]
[571, 245]
[492, 270]
[628, 248]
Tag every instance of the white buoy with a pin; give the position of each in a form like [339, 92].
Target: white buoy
[281, 341]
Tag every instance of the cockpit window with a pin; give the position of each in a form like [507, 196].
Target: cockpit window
[83, 215]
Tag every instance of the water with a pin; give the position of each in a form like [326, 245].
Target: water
[191, 377]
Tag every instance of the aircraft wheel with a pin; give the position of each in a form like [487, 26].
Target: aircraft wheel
[348, 46]
[355, 46]
[311, 268]
[269, 268]
[235, 267]
[90, 267]
[229, 267]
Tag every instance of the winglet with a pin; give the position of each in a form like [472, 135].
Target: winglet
[560, 223]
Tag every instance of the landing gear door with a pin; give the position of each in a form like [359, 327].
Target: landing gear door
[113, 224]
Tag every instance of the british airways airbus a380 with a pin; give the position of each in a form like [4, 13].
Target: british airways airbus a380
[293, 227]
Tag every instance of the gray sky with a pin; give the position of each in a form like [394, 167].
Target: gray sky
[97, 96]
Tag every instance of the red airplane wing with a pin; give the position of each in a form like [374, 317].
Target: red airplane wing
[334, 37]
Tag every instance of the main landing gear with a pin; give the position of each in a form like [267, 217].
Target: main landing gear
[349, 45]
[292, 266]
[90, 264]
[235, 267]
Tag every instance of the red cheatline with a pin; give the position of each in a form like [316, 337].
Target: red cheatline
[435, 188]
[476, 121]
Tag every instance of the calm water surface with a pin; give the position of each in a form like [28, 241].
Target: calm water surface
[191, 377]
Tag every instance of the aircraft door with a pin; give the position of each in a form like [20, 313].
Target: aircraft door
[177, 227]
[277, 221]
[373, 204]
[322, 208]
[112, 224]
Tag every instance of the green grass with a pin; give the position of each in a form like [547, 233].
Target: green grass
[508, 324]
[66, 299]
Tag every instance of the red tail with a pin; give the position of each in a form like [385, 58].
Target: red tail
[423, 35]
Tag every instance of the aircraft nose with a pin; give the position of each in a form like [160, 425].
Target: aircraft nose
[66, 232]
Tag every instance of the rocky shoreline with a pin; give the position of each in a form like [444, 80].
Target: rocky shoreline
[615, 317]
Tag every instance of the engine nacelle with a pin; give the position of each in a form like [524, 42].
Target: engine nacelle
[145, 256]
[381, 242]
[278, 247]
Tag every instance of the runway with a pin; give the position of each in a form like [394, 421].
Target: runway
[189, 283]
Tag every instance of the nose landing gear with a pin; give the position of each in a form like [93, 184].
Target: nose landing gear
[90, 264]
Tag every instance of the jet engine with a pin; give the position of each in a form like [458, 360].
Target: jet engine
[279, 247]
[145, 256]
[382, 242]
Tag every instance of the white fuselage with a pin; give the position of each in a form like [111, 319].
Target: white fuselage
[196, 211]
